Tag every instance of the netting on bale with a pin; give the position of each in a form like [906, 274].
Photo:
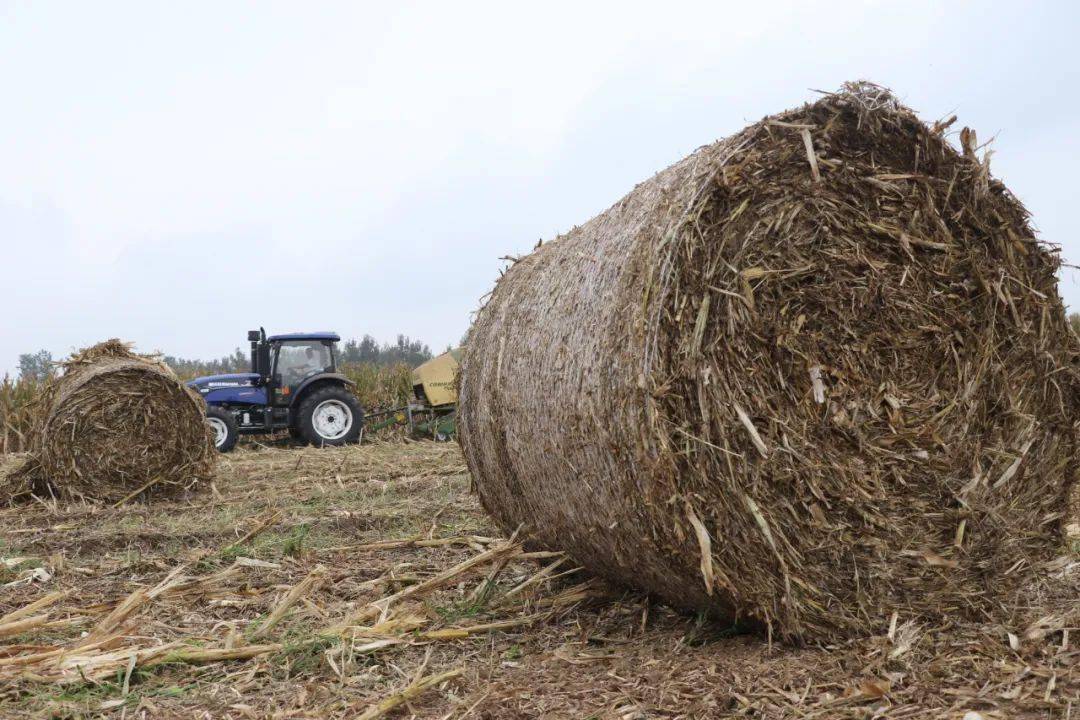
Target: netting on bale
[115, 425]
[812, 374]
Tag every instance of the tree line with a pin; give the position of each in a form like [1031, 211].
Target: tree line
[367, 351]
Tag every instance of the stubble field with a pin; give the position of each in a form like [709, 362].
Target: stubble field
[367, 582]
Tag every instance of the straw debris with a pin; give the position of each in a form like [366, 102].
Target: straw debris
[164, 620]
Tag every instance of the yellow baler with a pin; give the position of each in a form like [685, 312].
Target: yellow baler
[435, 382]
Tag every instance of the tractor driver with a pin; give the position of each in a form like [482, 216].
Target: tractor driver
[298, 368]
[311, 363]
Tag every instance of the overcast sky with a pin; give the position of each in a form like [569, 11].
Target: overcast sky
[176, 173]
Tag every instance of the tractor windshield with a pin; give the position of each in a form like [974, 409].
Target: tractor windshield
[297, 359]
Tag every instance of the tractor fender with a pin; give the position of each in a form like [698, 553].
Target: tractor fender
[320, 379]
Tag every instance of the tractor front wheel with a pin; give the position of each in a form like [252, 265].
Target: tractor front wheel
[223, 427]
[330, 415]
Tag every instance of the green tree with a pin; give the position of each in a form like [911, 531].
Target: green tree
[36, 366]
[188, 368]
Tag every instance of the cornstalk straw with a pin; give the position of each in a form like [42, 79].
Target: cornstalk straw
[776, 379]
[413, 690]
[302, 588]
[380, 607]
[42, 602]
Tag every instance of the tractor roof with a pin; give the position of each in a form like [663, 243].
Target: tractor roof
[331, 336]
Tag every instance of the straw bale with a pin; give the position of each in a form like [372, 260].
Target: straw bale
[810, 375]
[116, 425]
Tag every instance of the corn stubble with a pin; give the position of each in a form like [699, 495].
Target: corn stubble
[812, 375]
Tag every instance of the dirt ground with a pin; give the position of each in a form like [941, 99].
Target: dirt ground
[366, 582]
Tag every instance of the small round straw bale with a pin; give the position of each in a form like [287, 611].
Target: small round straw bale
[116, 424]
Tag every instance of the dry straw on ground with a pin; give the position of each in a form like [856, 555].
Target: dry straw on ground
[116, 425]
[813, 374]
[391, 592]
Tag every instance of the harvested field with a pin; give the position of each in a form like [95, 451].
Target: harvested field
[351, 582]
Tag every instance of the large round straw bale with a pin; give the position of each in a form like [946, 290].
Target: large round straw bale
[812, 374]
[116, 424]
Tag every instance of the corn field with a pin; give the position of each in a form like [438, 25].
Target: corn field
[16, 398]
[379, 387]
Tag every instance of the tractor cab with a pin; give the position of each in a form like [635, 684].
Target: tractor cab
[294, 385]
[296, 358]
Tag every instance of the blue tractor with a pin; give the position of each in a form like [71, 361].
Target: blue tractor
[294, 385]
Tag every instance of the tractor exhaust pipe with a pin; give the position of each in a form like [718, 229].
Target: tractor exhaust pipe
[253, 337]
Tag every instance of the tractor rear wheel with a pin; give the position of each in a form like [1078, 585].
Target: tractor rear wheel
[330, 415]
[223, 426]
